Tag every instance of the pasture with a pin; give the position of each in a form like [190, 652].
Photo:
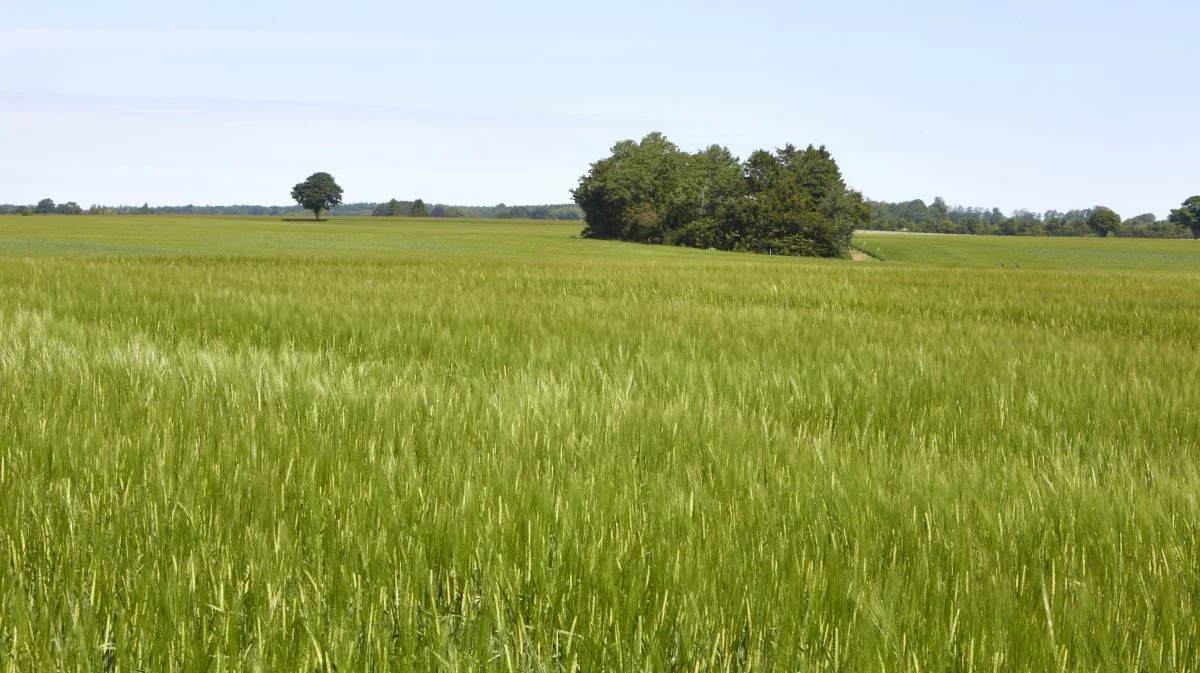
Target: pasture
[373, 445]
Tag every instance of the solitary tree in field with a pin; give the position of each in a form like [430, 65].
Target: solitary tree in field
[319, 192]
[1188, 215]
[1104, 221]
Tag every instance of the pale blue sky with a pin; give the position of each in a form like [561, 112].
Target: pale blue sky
[1010, 103]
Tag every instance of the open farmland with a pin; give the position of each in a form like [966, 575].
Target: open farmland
[463, 445]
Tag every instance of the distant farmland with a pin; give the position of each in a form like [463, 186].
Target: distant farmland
[369, 445]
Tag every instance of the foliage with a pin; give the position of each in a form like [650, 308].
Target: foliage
[319, 192]
[392, 208]
[916, 216]
[1188, 215]
[44, 207]
[568, 211]
[418, 209]
[790, 202]
[1103, 221]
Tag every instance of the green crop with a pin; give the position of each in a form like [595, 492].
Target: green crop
[381, 445]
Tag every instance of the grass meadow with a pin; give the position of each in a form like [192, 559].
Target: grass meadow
[411, 445]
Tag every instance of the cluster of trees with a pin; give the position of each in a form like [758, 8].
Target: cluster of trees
[790, 201]
[43, 207]
[937, 217]
[416, 208]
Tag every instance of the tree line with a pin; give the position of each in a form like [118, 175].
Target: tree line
[938, 217]
[418, 208]
[789, 201]
[569, 211]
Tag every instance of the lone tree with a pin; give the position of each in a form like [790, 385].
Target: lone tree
[1104, 221]
[319, 192]
[1188, 215]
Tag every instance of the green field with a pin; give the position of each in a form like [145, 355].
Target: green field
[1094, 254]
[397, 445]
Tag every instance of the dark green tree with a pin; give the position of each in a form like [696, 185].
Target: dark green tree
[319, 192]
[68, 208]
[790, 202]
[798, 205]
[26, 210]
[1188, 215]
[1104, 221]
[44, 207]
[644, 192]
[419, 209]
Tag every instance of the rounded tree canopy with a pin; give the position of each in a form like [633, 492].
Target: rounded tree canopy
[319, 192]
[1104, 221]
[1188, 215]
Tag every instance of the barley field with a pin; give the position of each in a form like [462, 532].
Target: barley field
[419, 445]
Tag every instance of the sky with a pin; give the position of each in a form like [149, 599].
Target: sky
[1009, 103]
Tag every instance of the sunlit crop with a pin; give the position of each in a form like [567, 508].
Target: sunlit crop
[371, 445]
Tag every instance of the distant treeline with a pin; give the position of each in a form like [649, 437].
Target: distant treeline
[416, 208]
[937, 217]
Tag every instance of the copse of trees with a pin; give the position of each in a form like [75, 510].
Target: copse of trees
[790, 201]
